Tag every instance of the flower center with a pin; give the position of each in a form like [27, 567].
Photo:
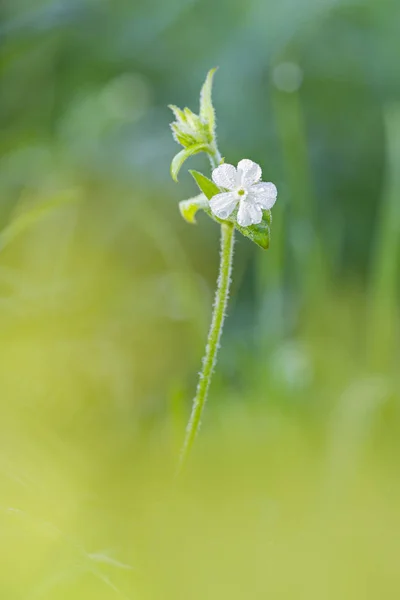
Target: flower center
[242, 193]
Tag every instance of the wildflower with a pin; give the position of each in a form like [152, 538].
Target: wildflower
[244, 189]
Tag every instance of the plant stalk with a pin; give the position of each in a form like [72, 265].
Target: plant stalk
[214, 336]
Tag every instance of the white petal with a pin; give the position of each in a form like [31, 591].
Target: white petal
[249, 213]
[249, 172]
[264, 194]
[225, 176]
[223, 204]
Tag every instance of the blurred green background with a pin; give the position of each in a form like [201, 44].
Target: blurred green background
[293, 490]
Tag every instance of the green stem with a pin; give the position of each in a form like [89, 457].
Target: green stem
[214, 336]
[214, 155]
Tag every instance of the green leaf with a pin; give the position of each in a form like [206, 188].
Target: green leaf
[190, 207]
[207, 112]
[183, 155]
[205, 185]
[259, 234]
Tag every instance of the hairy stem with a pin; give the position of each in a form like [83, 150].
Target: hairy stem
[214, 336]
[214, 155]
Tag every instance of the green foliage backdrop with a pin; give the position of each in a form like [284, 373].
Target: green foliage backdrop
[105, 299]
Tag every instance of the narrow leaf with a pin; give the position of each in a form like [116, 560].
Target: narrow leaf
[259, 234]
[207, 112]
[190, 207]
[205, 185]
[183, 155]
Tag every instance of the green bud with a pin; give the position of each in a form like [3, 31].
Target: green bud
[193, 131]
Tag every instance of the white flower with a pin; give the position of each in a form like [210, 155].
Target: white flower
[245, 189]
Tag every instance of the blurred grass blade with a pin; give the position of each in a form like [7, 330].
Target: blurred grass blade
[384, 270]
[307, 248]
[105, 558]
